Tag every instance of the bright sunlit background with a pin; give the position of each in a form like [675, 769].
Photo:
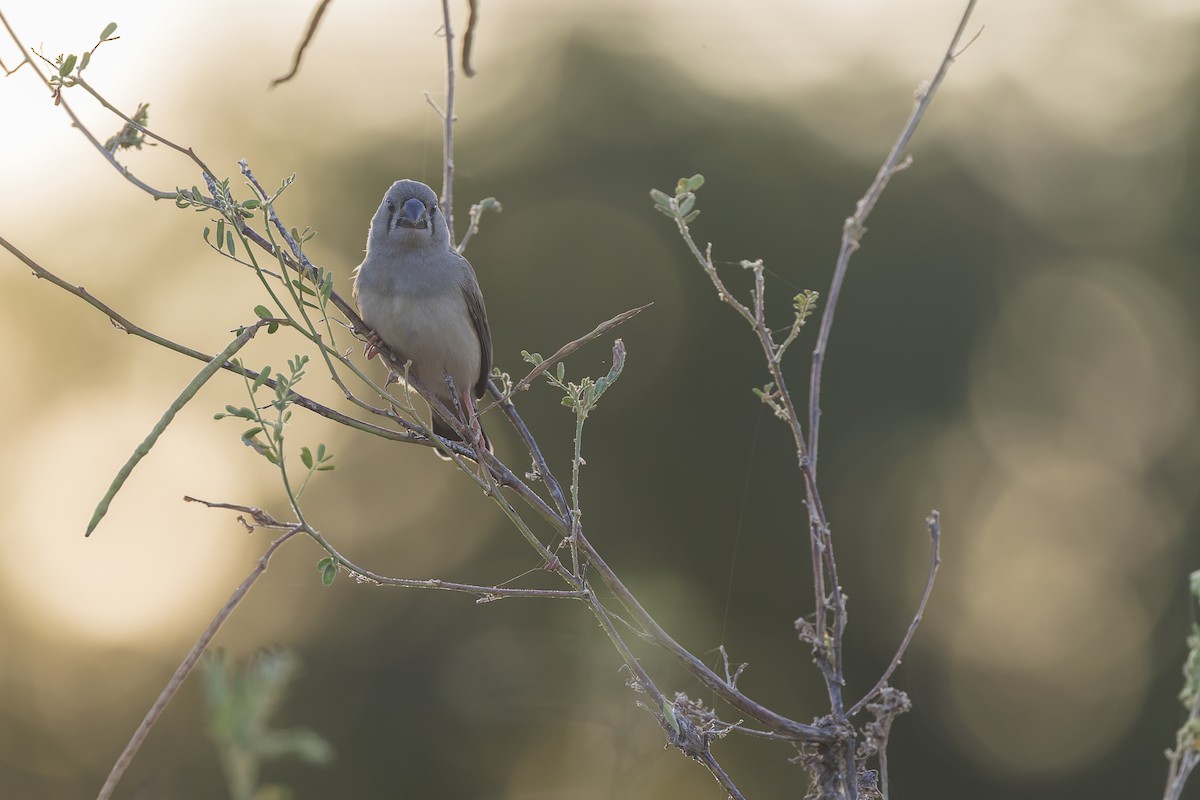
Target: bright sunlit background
[1017, 346]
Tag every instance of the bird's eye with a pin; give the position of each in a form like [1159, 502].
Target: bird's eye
[391, 207]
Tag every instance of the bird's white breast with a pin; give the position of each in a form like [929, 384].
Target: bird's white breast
[434, 331]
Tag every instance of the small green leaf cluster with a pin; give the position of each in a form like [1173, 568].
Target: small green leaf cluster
[222, 201]
[328, 569]
[487, 204]
[805, 304]
[316, 285]
[67, 68]
[1187, 738]
[241, 701]
[266, 437]
[132, 134]
[583, 396]
[681, 207]
[769, 394]
[1190, 696]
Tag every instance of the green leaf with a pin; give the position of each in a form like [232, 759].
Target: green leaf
[689, 202]
[328, 571]
[693, 183]
[253, 202]
[691, 217]
[320, 452]
[568, 401]
[108, 31]
[207, 232]
[325, 468]
[669, 713]
[220, 232]
[84, 60]
[262, 312]
[561, 371]
[229, 242]
[660, 199]
[68, 64]
[263, 377]
[274, 326]
[306, 457]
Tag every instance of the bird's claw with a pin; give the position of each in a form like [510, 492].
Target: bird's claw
[373, 346]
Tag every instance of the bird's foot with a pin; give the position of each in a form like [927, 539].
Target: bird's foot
[373, 346]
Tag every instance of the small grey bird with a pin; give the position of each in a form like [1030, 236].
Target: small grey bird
[421, 298]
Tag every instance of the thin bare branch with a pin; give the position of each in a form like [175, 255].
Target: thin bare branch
[447, 115]
[476, 212]
[187, 151]
[143, 449]
[854, 228]
[710, 763]
[8, 71]
[573, 345]
[309, 32]
[655, 633]
[189, 662]
[933, 522]
[157, 194]
[124, 325]
[485, 593]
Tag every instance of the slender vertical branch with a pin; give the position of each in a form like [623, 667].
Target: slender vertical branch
[576, 512]
[448, 124]
[854, 228]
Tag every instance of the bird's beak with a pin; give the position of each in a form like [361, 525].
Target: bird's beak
[413, 215]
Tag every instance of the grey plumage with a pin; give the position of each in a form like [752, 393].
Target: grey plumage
[422, 298]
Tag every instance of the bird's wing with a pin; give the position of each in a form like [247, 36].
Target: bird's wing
[474, 300]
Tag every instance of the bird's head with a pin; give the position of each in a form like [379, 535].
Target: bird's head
[409, 217]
